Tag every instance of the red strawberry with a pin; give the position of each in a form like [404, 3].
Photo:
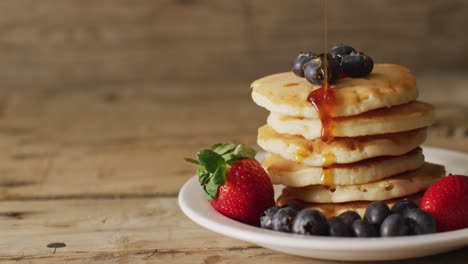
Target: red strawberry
[248, 192]
[234, 182]
[447, 201]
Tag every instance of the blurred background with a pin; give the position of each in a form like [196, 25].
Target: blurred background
[100, 101]
[198, 40]
[172, 76]
[107, 42]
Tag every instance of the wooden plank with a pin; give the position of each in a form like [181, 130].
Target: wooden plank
[79, 42]
[248, 255]
[113, 143]
[127, 231]
[103, 99]
[101, 225]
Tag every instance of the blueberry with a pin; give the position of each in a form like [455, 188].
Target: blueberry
[403, 205]
[340, 51]
[376, 212]
[394, 225]
[420, 222]
[310, 222]
[338, 228]
[314, 70]
[357, 65]
[293, 206]
[362, 228]
[301, 59]
[283, 218]
[266, 220]
[349, 217]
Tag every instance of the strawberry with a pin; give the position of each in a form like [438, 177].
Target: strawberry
[234, 182]
[447, 201]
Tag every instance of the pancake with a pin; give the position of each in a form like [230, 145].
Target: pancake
[403, 184]
[334, 209]
[383, 120]
[341, 150]
[292, 174]
[387, 85]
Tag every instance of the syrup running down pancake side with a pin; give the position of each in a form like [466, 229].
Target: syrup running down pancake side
[324, 101]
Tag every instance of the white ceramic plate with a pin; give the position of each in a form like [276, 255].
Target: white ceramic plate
[196, 207]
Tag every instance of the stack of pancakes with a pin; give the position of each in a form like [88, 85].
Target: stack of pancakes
[376, 126]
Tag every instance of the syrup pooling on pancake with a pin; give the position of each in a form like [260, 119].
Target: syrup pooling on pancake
[328, 177]
[300, 154]
[388, 85]
[292, 174]
[323, 100]
[341, 150]
[329, 158]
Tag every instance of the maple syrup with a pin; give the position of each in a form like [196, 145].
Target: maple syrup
[329, 158]
[325, 44]
[300, 154]
[323, 99]
[328, 179]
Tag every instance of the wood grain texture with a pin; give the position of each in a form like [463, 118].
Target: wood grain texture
[75, 43]
[128, 231]
[101, 100]
[68, 154]
[248, 255]
[83, 143]
[102, 225]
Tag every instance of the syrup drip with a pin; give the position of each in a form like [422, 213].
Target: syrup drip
[325, 44]
[330, 158]
[328, 179]
[300, 155]
[323, 100]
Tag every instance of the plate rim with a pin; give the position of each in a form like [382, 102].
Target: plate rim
[257, 235]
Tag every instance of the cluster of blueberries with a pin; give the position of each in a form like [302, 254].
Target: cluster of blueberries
[342, 60]
[404, 218]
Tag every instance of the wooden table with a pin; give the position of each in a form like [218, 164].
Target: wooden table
[100, 169]
[100, 101]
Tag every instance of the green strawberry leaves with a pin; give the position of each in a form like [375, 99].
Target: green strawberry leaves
[210, 160]
[211, 190]
[223, 148]
[214, 163]
[239, 152]
[219, 176]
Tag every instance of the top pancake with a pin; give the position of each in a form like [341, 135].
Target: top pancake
[387, 85]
